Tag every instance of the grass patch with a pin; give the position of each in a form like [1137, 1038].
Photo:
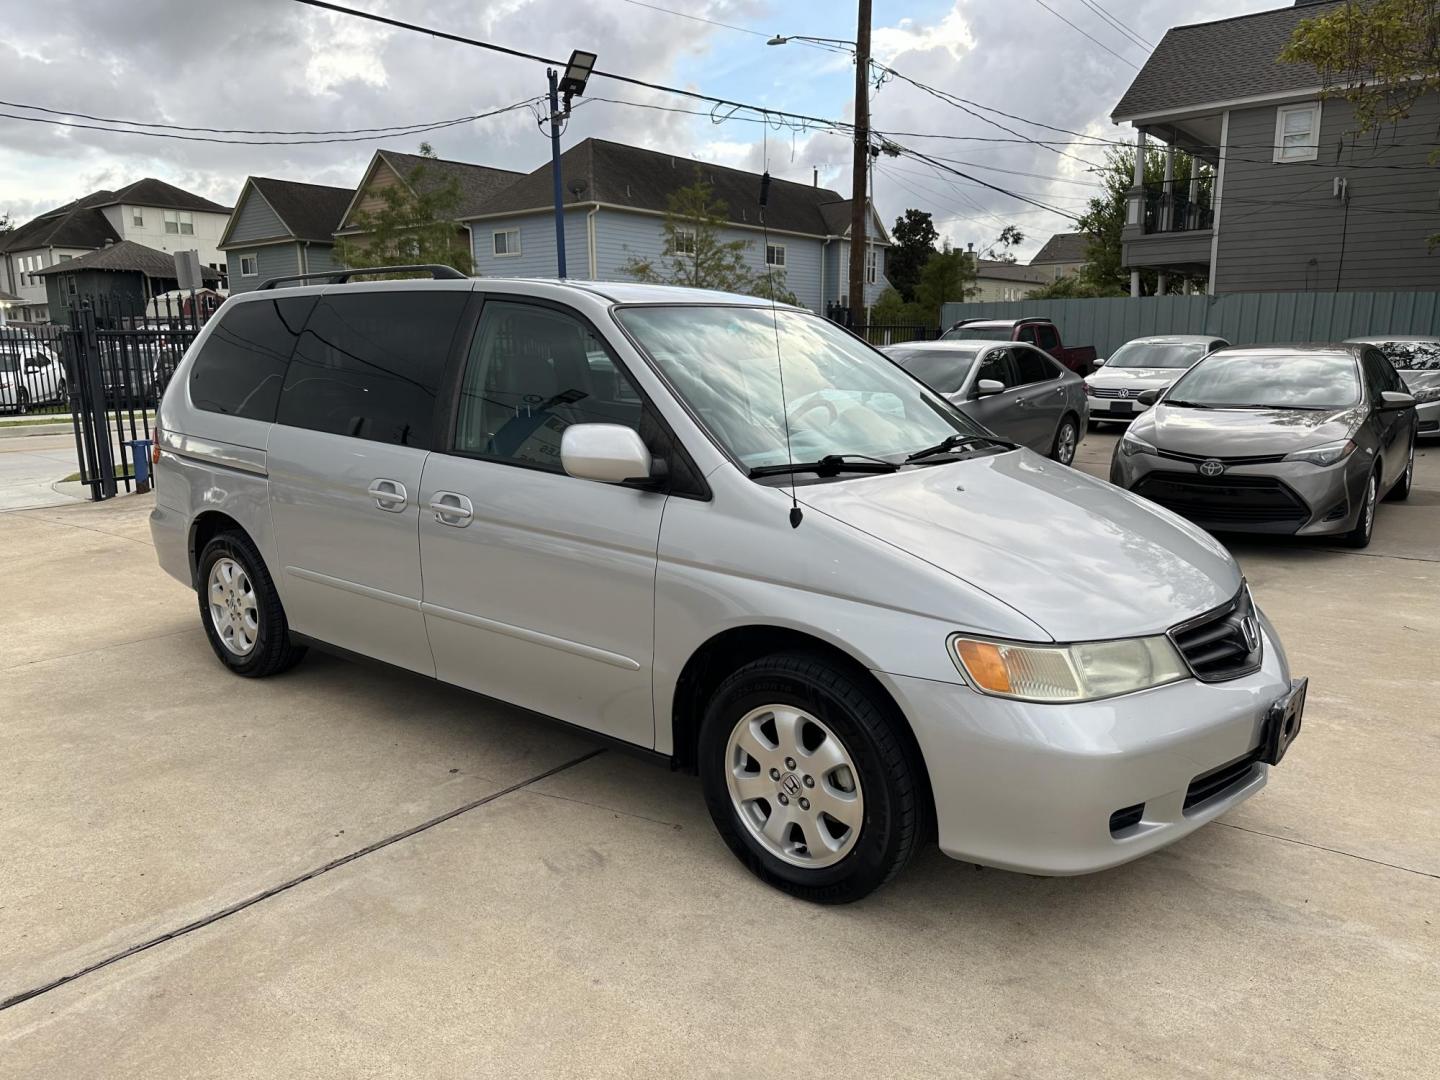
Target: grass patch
[127, 473]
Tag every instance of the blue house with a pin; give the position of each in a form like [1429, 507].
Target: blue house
[615, 198]
[282, 227]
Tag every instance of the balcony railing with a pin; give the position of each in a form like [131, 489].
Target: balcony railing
[1172, 210]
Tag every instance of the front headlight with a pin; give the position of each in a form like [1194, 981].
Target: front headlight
[1131, 444]
[1429, 393]
[1328, 454]
[1067, 673]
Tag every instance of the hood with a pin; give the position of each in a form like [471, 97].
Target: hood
[1081, 558]
[1139, 378]
[1231, 433]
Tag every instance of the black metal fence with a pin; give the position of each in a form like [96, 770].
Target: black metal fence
[881, 334]
[105, 372]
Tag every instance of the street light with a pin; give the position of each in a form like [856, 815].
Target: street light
[781, 40]
[577, 74]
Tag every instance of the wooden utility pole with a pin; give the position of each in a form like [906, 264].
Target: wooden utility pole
[858, 225]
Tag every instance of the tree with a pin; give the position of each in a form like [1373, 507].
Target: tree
[891, 309]
[949, 277]
[414, 224]
[998, 249]
[1381, 57]
[914, 238]
[696, 255]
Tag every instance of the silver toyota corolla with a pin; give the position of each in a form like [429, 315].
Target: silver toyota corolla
[849, 608]
[1014, 389]
[1148, 363]
[1293, 439]
[1417, 359]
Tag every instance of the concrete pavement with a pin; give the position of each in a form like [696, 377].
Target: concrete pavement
[580, 917]
[30, 465]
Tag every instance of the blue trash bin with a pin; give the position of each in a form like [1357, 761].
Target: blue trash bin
[140, 457]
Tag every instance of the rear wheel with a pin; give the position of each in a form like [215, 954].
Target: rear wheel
[22, 400]
[1067, 439]
[1401, 491]
[241, 610]
[808, 780]
[1359, 536]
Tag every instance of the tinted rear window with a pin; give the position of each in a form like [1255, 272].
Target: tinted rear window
[242, 364]
[369, 365]
[942, 371]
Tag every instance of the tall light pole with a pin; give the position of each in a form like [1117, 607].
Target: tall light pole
[577, 74]
[859, 232]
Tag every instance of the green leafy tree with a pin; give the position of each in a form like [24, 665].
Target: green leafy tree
[949, 277]
[914, 239]
[998, 250]
[891, 309]
[1381, 57]
[695, 253]
[414, 224]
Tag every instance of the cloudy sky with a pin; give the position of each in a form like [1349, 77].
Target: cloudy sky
[275, 64]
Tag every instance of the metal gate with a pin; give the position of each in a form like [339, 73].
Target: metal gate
[105, 372]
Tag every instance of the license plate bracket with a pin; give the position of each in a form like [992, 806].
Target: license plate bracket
[1282, 723]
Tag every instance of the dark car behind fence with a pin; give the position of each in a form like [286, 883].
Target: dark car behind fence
[105, 372]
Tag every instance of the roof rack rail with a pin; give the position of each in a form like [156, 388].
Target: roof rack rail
[437, 272]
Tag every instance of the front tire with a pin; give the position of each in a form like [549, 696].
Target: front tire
[1401, 491]
[22, 400]
[1359, 536]
[241, 610]
[1067, 440]
[808, 778]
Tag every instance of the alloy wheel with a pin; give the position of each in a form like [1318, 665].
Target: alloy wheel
[1066, 443]
[794, 786]
[1372, 491]
[234, 608]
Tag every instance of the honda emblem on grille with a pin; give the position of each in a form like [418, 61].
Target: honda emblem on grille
[1251, 631]
[1212, 467]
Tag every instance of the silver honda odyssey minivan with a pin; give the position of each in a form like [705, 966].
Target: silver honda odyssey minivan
[731, 533]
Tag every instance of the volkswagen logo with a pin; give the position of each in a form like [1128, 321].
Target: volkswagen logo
[1212, 467]
[1124, 392]
[1251, 630]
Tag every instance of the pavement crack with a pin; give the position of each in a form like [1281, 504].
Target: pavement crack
[276, 890]
[33, 516]
[609, 809]
[1333, 851]
[97, 648]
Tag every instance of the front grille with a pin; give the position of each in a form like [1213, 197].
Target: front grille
[1221, 644]
[1221, 501]
[1229, 462]
[1218, 782]
[1126, 817]
[1115, 392]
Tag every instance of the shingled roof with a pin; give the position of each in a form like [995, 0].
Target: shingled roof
[1208, 63]
[597, 170]
[126, 256]
[80, 223]
[1064, 247]
[309, 211]
[477, 183]
[994, 270]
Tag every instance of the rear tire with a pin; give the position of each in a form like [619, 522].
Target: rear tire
[1067, 440]
[241, 610]
[1359, 537]
[1401, 491]
[786, 740]
[22, 400]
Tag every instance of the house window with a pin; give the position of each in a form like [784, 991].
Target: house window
[250, 265]
[1297, 132]
[137, 217]
[506, 242]
[180, 221]
[775, 255]
[684, 241]
[872, 265]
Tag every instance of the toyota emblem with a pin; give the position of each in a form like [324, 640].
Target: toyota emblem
[1212, 467]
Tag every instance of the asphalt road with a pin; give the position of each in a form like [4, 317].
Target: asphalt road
[209, 876]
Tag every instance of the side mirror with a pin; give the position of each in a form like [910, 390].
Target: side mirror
[1148, 398]
[606, 453]
[1395, 399]
[1099, 361]
[986, 387]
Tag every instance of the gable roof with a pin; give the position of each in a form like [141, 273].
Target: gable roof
[1227, 60]
[597, 170]
[126, 256]
[1065, 247]
[157, 193]
[80, 223]
[993, 270]
[309, 211]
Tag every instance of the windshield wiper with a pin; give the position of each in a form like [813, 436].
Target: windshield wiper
[829, 465]
[1297, 408]
[953, 442]
[1188, 404]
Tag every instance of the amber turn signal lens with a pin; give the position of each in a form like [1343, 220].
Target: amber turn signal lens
[985, 664]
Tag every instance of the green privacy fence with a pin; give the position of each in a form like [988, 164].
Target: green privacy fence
[1241, 318]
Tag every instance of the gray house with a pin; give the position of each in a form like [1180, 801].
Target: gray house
[1287, 198]
[615, 202]
[117, 280]
[282, 227]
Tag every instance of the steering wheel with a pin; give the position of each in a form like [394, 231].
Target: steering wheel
[810, 406]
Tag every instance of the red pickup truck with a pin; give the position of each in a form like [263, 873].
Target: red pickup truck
[1039, 332]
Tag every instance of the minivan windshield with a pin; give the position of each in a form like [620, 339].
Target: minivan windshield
[1270, 380]
[842, 396]
[1156, 354]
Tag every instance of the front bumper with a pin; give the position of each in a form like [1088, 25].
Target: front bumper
[1108, 408]
[1033, 788]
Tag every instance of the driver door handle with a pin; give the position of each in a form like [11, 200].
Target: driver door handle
[389, 495]
[451, 508]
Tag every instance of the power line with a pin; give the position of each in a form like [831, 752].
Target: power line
[724, 25]
[1077, 29]
[1117, 24]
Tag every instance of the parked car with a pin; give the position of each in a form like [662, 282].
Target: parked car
[1013, 390]
[1417, 359]
[1147, 363]
[31, 372]
[1291, 439]
[1041, 333]
[850, 608]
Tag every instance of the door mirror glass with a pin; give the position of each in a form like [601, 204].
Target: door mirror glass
[1149, 397]
[606, 453]
[1099, 361]
[1395, 399]
[986, 387]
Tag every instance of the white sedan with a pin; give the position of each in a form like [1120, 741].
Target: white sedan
[30, 374]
